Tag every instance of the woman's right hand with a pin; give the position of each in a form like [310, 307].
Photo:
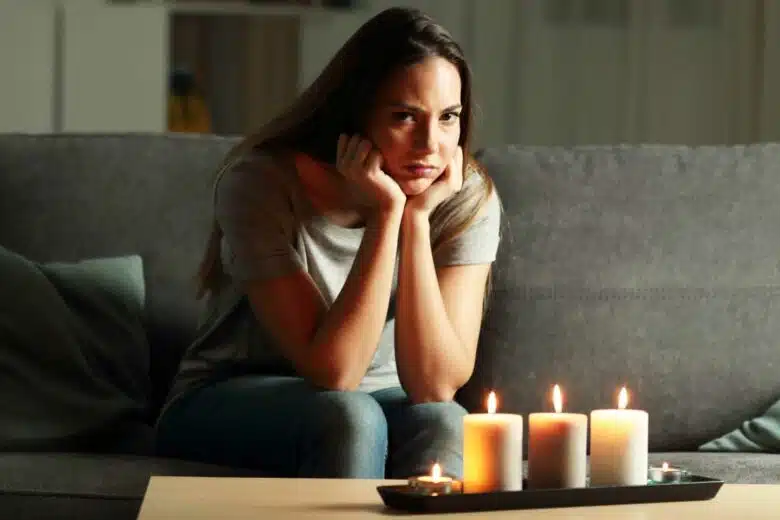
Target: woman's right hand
[361, 163]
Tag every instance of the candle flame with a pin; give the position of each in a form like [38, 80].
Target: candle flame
[492, 402]
[436, 472]
[557, 399]
[623, 398]
[665, 466]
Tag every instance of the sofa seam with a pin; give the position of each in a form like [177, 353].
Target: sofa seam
[56, 494]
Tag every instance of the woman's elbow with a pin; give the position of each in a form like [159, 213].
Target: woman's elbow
[337, 378]
[436, 389]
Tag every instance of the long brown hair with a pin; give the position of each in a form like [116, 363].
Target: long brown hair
[339, 100]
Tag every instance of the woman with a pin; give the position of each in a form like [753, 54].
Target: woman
[346, 273]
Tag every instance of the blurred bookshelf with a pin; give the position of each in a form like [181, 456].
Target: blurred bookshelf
[237, 61]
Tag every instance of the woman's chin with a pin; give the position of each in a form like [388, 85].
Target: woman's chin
[412, 187]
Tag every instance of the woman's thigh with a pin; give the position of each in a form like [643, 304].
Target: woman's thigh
[266, 423]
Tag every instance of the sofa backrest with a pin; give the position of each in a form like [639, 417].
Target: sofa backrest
[651, 266]
[68, 197]
[654, 267]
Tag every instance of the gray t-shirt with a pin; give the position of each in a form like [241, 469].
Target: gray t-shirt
[269, 229]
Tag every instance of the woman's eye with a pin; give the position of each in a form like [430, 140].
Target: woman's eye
[450, 117]
[402, 116]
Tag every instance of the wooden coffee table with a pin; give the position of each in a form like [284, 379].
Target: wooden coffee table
[194, 498]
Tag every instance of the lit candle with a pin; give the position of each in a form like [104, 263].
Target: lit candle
[618, 445]
[666, 474]
[557, 444]
[492, 450]
[435, 483]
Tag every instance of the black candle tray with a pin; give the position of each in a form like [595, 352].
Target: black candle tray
[693, 488]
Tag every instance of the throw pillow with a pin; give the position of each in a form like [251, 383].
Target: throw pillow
[74, 356]
[761, 434]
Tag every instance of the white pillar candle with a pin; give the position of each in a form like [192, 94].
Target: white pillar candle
[492, 451]
[557, 444]
[618, 446]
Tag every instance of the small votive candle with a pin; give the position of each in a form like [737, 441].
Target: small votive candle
[435, 483]
[666, 474]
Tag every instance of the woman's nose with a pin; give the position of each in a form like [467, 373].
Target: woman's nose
[426, 139]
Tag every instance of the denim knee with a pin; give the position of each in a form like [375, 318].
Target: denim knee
[426, 433]
[353, 414]
[443, 419]
[349, 438]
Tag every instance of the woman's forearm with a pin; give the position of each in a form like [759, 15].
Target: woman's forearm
[348, 336]
[432, 360]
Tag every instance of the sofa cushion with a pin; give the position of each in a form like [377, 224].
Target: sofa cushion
[73, 350]
[653, 267]
[760, 434]
[86, 486]
[66, 197]
[52, 507]
[732, 468]
[93, 475]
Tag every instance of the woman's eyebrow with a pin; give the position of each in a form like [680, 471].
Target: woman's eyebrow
[413, 108]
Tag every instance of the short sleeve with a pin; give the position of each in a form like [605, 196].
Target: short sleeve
[478, 243]
[254, 212]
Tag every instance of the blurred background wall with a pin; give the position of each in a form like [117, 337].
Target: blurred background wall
[546, 71]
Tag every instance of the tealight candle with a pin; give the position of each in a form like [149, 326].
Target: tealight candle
[557, 444]
[618, 446]
[492, 450]
[435, 483]
[666, 474]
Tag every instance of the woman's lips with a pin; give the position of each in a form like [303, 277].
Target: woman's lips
[416, 170]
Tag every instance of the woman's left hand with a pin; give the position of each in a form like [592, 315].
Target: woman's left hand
[448, 183]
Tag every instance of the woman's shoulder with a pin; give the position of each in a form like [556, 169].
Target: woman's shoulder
[256, 168]
[256, 178]
[257, 171]
[478, 179]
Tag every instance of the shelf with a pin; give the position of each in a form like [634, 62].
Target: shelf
[240, 8]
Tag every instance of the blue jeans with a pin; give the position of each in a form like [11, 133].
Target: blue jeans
[285, 427]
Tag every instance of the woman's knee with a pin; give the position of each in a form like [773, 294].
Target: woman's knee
[426, 433]
[346, 438]
[355, 417]
[443, 419]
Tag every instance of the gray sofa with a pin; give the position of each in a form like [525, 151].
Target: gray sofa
[655, 267]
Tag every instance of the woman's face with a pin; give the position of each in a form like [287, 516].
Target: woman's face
[415, 123]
